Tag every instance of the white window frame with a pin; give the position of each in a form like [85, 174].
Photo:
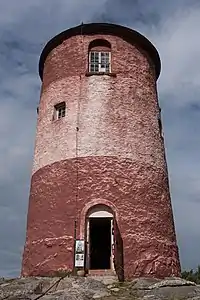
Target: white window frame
[59, 111]
[100, 69]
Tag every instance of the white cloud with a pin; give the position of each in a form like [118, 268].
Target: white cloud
[17, 121]
[179, 46]
[14, 11]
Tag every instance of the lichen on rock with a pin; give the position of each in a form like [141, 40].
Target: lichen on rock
[86, 288]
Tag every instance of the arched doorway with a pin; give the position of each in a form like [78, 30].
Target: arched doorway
[99, 238]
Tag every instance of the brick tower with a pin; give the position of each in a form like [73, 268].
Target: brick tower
[99, 171]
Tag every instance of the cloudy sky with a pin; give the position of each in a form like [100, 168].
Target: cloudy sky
[25, 27]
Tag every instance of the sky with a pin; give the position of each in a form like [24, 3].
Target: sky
[25, 27]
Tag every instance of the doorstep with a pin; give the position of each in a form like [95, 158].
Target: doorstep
[107, 272]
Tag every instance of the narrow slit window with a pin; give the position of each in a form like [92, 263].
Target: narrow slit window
[59, 111]
[160, 125]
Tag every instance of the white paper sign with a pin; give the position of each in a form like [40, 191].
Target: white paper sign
[79, 253]
[80, 246]
[79, 260]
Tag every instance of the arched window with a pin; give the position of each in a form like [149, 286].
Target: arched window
[100, 56]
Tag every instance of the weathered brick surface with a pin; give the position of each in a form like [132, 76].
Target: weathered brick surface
[140, 195]
[120, 160]
[113, 112]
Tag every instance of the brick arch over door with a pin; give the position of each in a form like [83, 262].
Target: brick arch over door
[88, 206]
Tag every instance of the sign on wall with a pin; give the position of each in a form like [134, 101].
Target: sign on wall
[79, 253]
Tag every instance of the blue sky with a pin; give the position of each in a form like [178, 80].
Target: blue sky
[25, 27]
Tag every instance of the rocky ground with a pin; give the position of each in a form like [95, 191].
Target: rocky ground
[104, 288]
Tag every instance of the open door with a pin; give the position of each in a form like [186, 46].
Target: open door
[118, 252]
[99, 239]
[100, 243]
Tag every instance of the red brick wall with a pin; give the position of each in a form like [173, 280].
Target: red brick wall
[121, 161]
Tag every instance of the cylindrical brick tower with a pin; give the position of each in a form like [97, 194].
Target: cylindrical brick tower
[99, 171]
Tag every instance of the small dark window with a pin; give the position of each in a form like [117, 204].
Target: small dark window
[59, 111]
[100, 56]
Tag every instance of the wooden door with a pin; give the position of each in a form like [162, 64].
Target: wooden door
[118, 252]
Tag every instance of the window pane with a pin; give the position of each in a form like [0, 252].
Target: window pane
[60, 111]
[103, 57]
[92, 68]
[63, 113]
[96, 67]
[92, 57]
[105, 61]
[96, 57]
[98, 61]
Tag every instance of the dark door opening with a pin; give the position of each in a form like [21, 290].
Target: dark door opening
[100, 243]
